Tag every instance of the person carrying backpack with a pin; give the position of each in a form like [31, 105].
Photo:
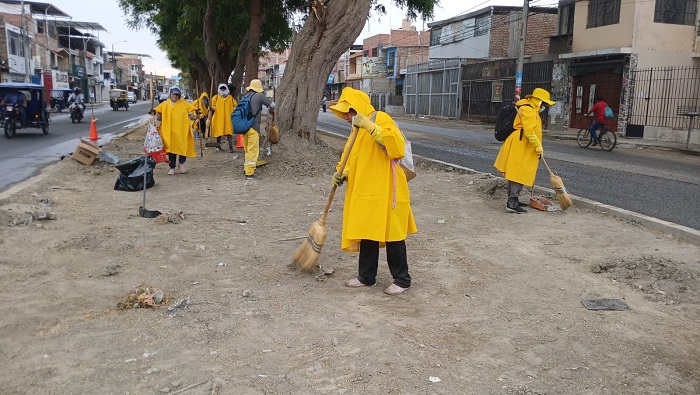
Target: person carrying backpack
[519, 155]
[598, 110]
[251, 139]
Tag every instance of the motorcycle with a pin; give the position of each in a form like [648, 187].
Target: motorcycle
[11, 120]
[76, 113]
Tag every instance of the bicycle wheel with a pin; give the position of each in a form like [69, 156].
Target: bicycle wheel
[607, 140]
[584, 138]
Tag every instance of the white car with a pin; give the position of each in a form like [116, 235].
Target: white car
[131, 97]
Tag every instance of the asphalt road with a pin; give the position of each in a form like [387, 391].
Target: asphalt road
[29, 150]
[656, 183]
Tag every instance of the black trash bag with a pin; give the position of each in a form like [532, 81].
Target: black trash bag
[131, 177]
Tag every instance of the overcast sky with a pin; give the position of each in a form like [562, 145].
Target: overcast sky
[108, 14]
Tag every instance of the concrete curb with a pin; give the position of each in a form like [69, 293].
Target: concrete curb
[682, 232]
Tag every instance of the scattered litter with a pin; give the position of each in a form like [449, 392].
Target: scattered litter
[180, 304]
[441, 221]
[47, 202]
[326, 269]
[172, 217]
[143, 296]
[222, 264]
[109, 157]
[247, 293]
[434, 379]
[605, 304]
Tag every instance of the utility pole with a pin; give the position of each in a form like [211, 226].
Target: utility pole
[521, 55]
[25, 44]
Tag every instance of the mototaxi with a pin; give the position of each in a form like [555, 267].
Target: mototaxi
[118, 99]
[59, 99]
[37, 115]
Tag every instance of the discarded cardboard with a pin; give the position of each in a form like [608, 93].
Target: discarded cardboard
[86, 152]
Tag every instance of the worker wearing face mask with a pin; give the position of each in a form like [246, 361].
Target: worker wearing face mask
[222, 104]
[520, 153]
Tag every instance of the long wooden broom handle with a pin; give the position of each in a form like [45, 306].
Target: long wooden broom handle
[351, 141]
[545, 163]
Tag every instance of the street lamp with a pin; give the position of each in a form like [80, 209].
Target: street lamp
[114, 63]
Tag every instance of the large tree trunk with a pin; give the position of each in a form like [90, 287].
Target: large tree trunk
[219, 67]
[237, 77]
[311, 61]
[253, 55]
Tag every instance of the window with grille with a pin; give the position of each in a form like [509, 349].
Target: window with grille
[603, 13]
[677, 12]
[435, 35]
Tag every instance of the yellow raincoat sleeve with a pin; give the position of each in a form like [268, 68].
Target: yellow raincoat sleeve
[530, 123]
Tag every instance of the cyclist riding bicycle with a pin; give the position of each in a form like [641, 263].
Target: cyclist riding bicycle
[600, 121]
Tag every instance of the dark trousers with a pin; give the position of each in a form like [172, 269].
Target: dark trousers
[229, 138]
[172, 157]
[596, 126]
[395, 256]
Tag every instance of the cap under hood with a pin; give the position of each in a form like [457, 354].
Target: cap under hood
[355, 99]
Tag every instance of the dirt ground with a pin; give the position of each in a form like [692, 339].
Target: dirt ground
[495, 306]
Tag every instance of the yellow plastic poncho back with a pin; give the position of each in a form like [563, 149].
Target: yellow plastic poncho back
[517, 159]
[175, 127]
[369, 211]
[199, 105]
[221, 120]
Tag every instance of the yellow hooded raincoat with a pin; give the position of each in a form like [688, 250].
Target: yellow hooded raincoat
[221, 120]
[517, 159]
[370, 193]
[199, 105]
[175, 129]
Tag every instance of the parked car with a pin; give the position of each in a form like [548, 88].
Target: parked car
[131, 97]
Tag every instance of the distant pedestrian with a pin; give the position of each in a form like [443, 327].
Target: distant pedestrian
[222, 104]
[598, 110]
[92, 97]
[377, 211]
[176, 115]
[251, 140]
[323, 103]
[518, 157]
[202, 106]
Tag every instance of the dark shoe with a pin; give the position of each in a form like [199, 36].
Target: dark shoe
[594, 144]
[252, 177]
[521, 204]
[218, 148]
[513, 206]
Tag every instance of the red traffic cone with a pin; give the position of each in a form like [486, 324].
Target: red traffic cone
[93, 130]
[240, 141]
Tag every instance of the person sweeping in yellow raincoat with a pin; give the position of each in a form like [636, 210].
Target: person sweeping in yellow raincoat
[201, 105]
[222, 104]
[520, 153]
[175, 116]
[377, 211]
[251, 139]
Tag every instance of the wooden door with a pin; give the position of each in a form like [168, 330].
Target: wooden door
[605, 83]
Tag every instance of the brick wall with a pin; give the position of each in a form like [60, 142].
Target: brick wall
[412, 55]
[372, 42]
[505, 32]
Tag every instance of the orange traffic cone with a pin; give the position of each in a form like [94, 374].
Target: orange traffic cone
[93, 130]
[240, 141]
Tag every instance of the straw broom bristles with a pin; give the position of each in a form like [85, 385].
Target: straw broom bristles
[557, 184]
[307, 254]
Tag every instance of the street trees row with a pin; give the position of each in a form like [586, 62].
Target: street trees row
[212, 40]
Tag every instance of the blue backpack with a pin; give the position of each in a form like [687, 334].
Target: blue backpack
[609, 113]
[241, 118]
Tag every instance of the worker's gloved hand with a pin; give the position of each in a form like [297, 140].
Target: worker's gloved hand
[539, 150]
[151, 112]
[338, 180]
[192, 117]
[363, 121]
